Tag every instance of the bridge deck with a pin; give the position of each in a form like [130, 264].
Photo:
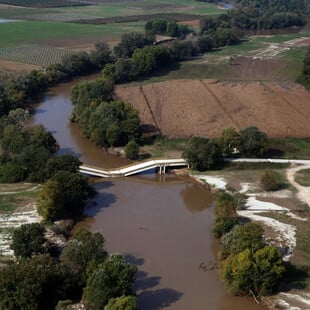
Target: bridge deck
[133, 168]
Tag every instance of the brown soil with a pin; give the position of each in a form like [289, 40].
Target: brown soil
[80, 44]
[17, 66]
[183, 108]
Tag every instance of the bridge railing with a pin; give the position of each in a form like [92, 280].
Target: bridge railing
[132, 168]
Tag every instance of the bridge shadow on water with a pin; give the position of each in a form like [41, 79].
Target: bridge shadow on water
[102, 200]
[148, 296]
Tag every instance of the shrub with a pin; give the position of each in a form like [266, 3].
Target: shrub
[202, 153]
[11, 173]
[122, 303]
[240, 238]
[111, 279]
[28, 240]
[223, 226]
[132, 150]
[253, 273]
[225, 214]
[270, 180]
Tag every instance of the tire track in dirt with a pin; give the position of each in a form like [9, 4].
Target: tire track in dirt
[217, 100]
[150, 109]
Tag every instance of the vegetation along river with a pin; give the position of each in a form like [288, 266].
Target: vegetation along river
[162, 223]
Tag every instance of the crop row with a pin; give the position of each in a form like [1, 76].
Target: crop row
[34, 54]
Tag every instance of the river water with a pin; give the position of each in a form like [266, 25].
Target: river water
[162, 223]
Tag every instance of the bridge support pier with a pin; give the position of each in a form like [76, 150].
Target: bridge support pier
[162, 169]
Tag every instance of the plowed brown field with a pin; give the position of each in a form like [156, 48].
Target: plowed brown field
[183, 108]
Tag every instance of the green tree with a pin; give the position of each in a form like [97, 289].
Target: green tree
[11, 173]
[205, 43]
[66, 162]
[40, 137]
[253, 273]
[202, 153]
[109, 72]
[33, 160]
[122, 303]
[101, 55]
[132, 150]
[112, 279]
[84, 252]
[18, 117]
[130, 42]
[64, 196]
[13, 139]
[34, 284]
[28, 240]
[254, 141]
[242, 237]
[124, 70]
[225, 214]
[84, 93]
[230, 141]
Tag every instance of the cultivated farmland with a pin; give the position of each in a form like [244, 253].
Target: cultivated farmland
[33, 54]
[183, 108]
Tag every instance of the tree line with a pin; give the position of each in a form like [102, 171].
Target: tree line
[167, 27]
[249, 266]
[305, 75]
[203, 153]
[256, 14]
[45, 278]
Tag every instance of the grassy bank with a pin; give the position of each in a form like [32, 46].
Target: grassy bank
[290, 148]
[15, 196]
[303, 177]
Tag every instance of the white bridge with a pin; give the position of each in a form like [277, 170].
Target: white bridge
[134, 168]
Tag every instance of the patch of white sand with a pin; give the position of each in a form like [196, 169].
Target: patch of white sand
[285, 193]
[12, 221]
[246, 187]
[215, 181]
[252, 204]
[301, 300]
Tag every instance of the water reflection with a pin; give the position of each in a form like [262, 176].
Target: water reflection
[193, 198]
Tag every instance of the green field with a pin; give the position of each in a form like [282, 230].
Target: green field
[146, 7]
[13, 34]
[225, 63]
[9, 202]
[291, 148]
[111, 9]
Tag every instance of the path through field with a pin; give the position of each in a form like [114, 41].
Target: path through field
[303, 191]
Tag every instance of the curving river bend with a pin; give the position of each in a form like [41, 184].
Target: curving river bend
[162, 223]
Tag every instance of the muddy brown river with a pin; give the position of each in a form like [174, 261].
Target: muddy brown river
[162, 223]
